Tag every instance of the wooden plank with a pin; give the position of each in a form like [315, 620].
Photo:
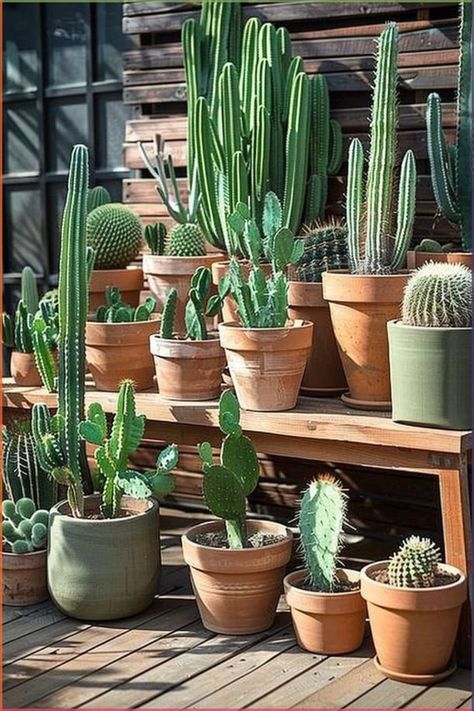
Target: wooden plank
[449, 695]
[37, 640]
[388, 694]
[47, 615]
[342, 692]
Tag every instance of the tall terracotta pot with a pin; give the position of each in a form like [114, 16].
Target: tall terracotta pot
[23, 369]
[237, 591]
[220, 270]
[267, 364]
[417, 259]
[324, 375]
[24, 578]
[129, 281]
[360, 306]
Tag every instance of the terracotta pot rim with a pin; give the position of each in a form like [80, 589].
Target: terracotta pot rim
[236, 551]
[402, 273]
[236, 325]
[298, 575]
[179, 339]
[128, 324]
[422, 591]
[30, 554]
[398, 323]
[129, 268]
[22, 353]
[177, 258]
[153, 505]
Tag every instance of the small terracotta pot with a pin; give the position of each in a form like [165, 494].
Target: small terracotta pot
[23, 369]
[115, 351]
[237, 591]
[188, 370]
[24, 578]
[414, 629]
[326, 623]
[165, 273]
[266, 364]
[129, 281]
[221, 269]
[417, 259]
[324, 375]
[360, 306]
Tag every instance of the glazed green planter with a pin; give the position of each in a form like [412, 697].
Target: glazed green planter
[430, 373]
[104, 569]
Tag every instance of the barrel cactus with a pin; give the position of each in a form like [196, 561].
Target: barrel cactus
[186, 240]
[325, 247]
[415, 564]
[115, 234]
[24, 527]
[439, 296]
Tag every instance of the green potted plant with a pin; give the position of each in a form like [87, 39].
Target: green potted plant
[237, 566]
[430, 349]
[189, 367]
[18, 333]
[24, 536]
[363, 300]
[327, 610]
[117, 341]
[414, 604]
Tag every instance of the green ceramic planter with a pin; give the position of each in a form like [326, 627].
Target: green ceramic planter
[430, 373]
[104, 569]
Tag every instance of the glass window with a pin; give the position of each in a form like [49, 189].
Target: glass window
[111, 114]
[21, 42]
[23, 230]
[110, 41]
[66, 43]
[21, 148]
[56, 199]
[66, 125]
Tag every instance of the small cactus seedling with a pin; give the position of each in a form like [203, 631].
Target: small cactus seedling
[199, 306]
[415, 564]
[439, 296]
[226, 485]
[116, 311]
[24, 528]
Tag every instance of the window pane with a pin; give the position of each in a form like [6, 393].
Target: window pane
[111, 114]
[21, 138]
[21, 46]
[66, 43]
[67, 125]
[113, 186]
[23, 230]
[56, 199]
[110, 41]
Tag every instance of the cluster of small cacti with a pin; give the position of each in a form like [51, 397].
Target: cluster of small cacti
[155, 238]
[115, 234]
[19, 334]
[321, 519]
[415, 564]
[439, 296]
[184, 240]
[116, 311]
[324, 248]
[24, 527]
[226, 485]
[200, 305]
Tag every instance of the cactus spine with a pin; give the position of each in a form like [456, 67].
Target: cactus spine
[415, 564]
[24, 528]
[325, 247]
[439, 296]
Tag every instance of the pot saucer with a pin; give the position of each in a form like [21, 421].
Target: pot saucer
[381, 406]
[423, 679]
[322, 392]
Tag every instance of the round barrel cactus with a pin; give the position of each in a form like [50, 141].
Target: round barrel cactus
[415, 564]
[439, 295]
[115, 233]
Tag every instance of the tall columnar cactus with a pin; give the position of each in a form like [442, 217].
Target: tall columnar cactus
[451, 169]
[24, 528]
[226, 485]
[369, 205]
[115, 234]
[97, 196]
[324, 247]
[321, 519]
[29, 290]
[415, 564]
[439, 295]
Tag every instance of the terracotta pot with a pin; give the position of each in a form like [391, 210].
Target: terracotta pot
[237, 591]
[115, 351]
[107, 568]
[266, 364]
[23, 369]
[326, 623]
[221, 269]
[129, 281]
[417, 259]
[165, 273]
[414, 629]
[24, 578]
[324, 374]
[188, 370]
[360, 306]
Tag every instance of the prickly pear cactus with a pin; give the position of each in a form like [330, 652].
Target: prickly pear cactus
[24, 528]
[115, 234]
[415, 564]
[440, 296]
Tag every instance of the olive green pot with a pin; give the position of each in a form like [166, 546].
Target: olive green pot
[107, 568]
[430, 373]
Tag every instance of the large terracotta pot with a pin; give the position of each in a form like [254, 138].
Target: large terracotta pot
[326, 623]
[220, 270]
[324, 375]
[165, 273]
[237, 591]
[24, 578]
[267, 364]
[23, 369]
[360, 306]
[414, 629]
[417, 259]
[129, 281]
[107, 568]
[115, 351]
[188, 370]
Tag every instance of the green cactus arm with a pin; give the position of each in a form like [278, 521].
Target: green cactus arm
[44, 357]
[220, 27]
[229, 413]
[194, 318]
[191, 37]
[23, 328]
[284, 41]
[406, 210]
[272, 215]
[29, 290]
[205, 452]
[354, 202]
[97, 196]
[225, 498]
[260, 157]
[238, 454]
[168, 315]
[335, 147]
[442, 176]
[296, 67]
[320, 127]
[248, 68]
[463, 165]
[90, 259]
[94, 429]
[241, 293]
[127, 428]
[229, 115]
[7, 331]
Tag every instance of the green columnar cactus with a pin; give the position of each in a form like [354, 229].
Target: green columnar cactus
[96, 197]
[168, 315]
[200, 305]
[415, 564]
[29, 290]
[45, 336]
[116, 311]
[155, 237]
[439, 296]
[19, 334]
[325, 247]
[226, 485]
[115, 234]
[114, 448]
[321, 519]
[24, 528]
[451, 170]
[369, 205]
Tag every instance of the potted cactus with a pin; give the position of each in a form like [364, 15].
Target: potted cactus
[24, 536]
[327, 610]
[362, 301]
[177, 359]
[430, 349]
[236, 566]
[117, 342]
[18, 333]
[414, 604]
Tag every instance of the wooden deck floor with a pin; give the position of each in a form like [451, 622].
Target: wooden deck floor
[164, 658]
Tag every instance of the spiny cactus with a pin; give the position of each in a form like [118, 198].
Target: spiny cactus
[369, 205]
[451, 170]
[116, 311]
[186, 240]
[19, 334]
[114, 448]
[29, 290]
[115, 234]
[325, 247]
[226, 485]
[155, 237]
[168, 315]
[97, 196]
[415, 564]
[24, 528]
[439, 295]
